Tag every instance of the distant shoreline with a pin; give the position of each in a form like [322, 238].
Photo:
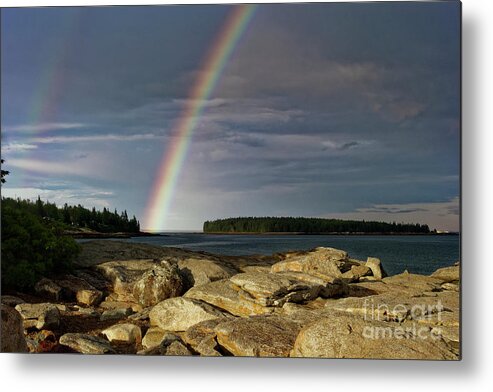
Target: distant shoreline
[99, 235]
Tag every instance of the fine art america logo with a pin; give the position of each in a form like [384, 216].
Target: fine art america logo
[418, 314]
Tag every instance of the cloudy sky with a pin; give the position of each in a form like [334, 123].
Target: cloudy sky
[326, 110]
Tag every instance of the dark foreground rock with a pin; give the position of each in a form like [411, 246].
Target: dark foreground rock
[128, 298]
[12, 337]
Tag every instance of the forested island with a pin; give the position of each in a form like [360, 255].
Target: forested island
[309, 226]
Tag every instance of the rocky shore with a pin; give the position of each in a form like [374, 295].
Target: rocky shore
[125, 298]
[85, 233]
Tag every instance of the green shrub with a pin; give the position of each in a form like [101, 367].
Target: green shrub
[32, 248]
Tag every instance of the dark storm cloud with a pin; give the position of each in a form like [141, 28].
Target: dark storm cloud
[323, 108]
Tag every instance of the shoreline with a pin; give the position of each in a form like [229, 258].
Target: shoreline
[118, 235]
[130, 298]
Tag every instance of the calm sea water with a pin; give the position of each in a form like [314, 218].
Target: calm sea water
[417, 254]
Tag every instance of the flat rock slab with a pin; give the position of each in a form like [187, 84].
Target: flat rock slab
[324, 263]
[301, 314]
[447, 274]
[412, 284]
[351, 336]
[258, 336]
[276, 289]
[436, 309]
[224, 294]
[86, 344]
[179, 314]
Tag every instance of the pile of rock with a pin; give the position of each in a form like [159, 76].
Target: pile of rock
[319, 303]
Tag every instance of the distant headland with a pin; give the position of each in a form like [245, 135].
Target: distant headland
[305, 226]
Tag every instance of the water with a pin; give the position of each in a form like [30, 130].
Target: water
[417, 254]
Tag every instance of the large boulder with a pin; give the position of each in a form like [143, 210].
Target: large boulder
[157, 284]
[124, 274]
[276, 289]
[125, 333]
[224, 294]
[325, 263]
[39, 316]
[12, 337]
[447, 274]
[350, 336]
[258, 336]
[199, 271]
[86, 344]
[179, 314]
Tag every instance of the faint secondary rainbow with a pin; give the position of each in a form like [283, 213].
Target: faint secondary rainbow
[48, 94]
[174, 156]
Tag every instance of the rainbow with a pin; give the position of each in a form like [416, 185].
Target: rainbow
[174, 156]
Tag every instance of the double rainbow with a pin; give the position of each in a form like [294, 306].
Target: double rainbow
[174, 156]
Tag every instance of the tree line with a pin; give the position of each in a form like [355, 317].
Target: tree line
[32, 247]
[308, 226]
[103, 221]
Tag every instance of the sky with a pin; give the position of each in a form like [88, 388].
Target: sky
[338, 110]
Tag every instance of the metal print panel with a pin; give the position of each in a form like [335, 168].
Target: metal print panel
[273, 180]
